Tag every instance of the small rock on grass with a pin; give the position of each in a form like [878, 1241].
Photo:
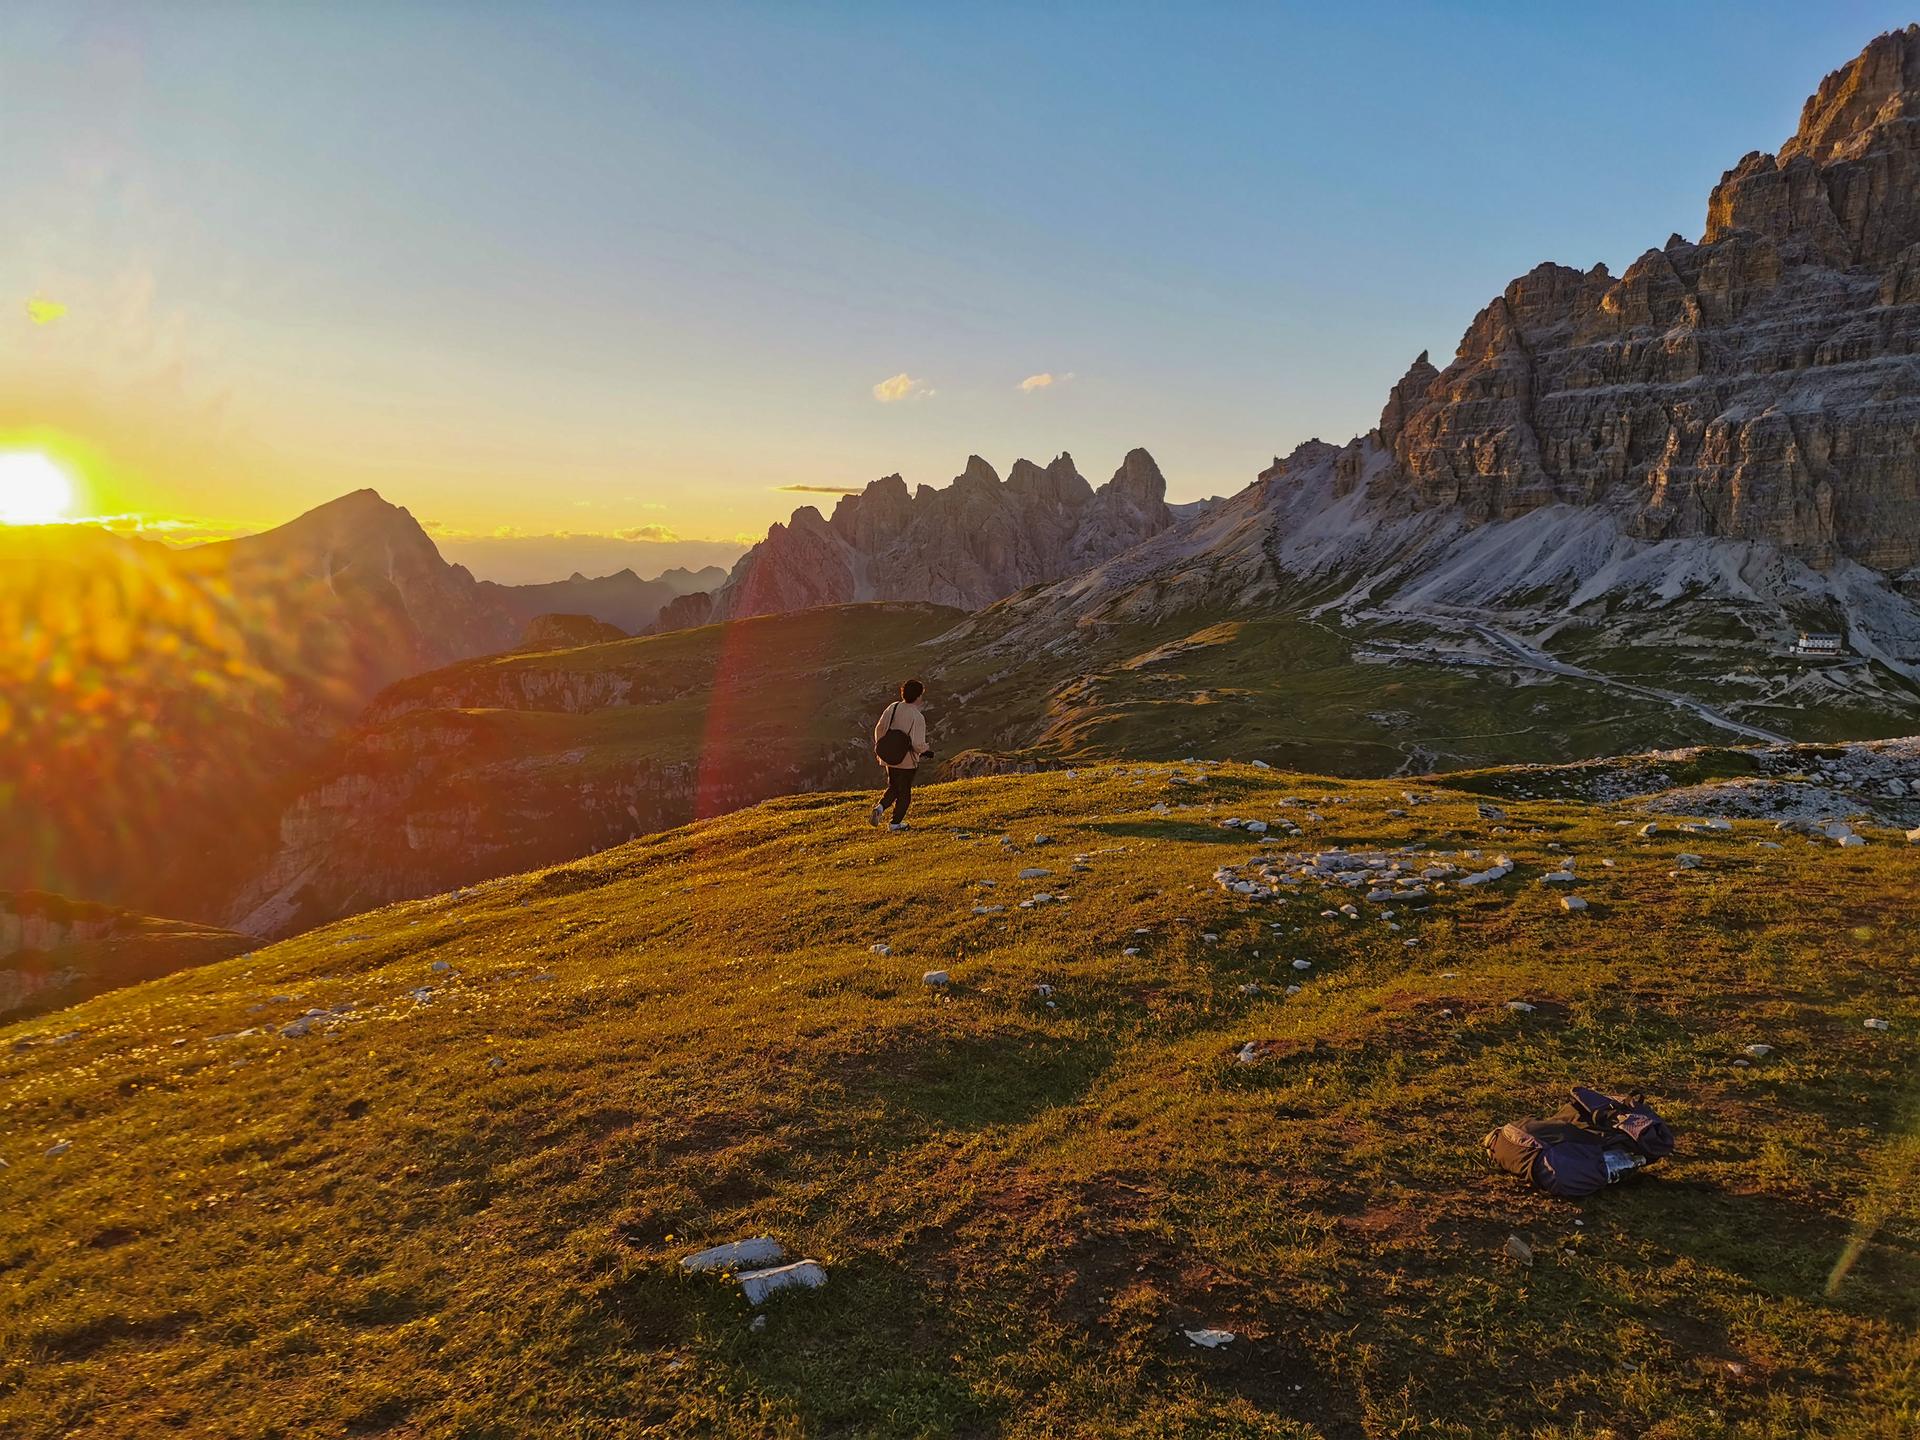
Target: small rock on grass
[757, 1285]
[1211, 1339]
[1519, 1007]
[935, 978]
[880, 949]
[1572, 902]
[1758, 1052]
[1878, 1024]
[1518, 1249]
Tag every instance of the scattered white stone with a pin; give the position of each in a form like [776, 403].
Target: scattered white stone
[754, 1254]
[759, 1323]
[1572, 902]
[1043, 991]
[1131, 950]
[1033, 872]
[880, 949]
[1043, 840]
[935, 978]
[757, 1285]
[1211, 1339]
[1719, 824]
[1913, 836]
[1877, 1024]
[1519, 1007]
[988, 909]
[1758, 1052]
[1850, 842]
[1303, 964]
[1247, 1053]
[60, 1147]
[1260, 765]
[440, 967]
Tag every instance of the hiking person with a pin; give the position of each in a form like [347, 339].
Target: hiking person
[900, 744]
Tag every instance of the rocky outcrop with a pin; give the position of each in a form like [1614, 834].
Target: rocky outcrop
[967, 545]
[42, 923]
[1763, 384]
[565, 632]
[685, 613]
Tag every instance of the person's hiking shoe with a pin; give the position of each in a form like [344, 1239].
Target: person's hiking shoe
[879, 812]
[897, 828]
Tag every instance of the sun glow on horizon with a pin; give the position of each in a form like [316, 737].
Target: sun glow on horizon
[34, 489]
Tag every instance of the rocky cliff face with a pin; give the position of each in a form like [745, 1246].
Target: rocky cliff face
[1642, 487]
[1760, 385]
[968, 545]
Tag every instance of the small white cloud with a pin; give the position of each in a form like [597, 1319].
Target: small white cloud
[900, 387]
[1043, 380]
[647, 532]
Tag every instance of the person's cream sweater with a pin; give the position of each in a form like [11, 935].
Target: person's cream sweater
[908, 718]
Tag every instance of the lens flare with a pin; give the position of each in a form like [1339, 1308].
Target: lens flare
[34, 490]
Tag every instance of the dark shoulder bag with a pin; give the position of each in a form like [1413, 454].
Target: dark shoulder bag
[895, 745]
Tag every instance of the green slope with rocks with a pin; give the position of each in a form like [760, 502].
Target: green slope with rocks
[433, 1171]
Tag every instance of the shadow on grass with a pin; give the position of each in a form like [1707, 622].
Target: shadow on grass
[972, 1083]
[1187, 831]
[870, 1353]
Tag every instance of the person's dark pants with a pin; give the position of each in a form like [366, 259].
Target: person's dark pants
[899, 791]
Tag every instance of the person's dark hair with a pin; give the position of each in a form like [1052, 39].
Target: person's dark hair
[911, 690]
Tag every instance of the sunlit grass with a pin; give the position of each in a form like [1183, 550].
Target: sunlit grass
[1021, 1205]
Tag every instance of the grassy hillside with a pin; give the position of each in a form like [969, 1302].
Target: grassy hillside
[455, 1202]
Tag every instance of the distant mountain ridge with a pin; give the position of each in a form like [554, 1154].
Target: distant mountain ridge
[965, 545]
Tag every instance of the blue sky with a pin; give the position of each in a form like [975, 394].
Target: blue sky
[603, 268]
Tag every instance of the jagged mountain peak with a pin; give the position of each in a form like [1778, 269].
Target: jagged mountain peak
[1875, 90]
[966, 544]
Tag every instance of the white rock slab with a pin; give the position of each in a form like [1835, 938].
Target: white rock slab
[757, 1285]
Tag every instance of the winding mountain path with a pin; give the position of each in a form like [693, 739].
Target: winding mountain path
[1539, 659]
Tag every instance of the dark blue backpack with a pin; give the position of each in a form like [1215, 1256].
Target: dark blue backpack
[1584, 1146]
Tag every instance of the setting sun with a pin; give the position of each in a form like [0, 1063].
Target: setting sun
[34, 490]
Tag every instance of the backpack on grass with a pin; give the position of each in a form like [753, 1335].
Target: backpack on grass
[895, 745]
[1583, 1146]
